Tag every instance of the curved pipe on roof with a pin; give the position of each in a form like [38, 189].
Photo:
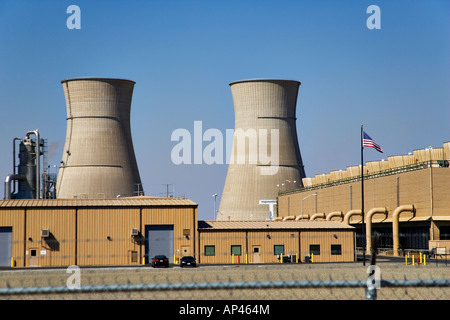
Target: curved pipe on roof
[289, 218]
[369, 216]
[335, 214]
[395, 225]
[301, 217]
[351, 213]
[317, 215]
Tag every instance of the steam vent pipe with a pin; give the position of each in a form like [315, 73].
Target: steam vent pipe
[351, 213]
[369, 216]
[98, 159]
[395, 225]
[265, 157]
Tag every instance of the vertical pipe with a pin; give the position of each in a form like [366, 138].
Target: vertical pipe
[398, 194]
[38, 161]
[395, 225]
[369, 225]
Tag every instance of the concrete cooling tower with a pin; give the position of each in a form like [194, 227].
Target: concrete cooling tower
[265, 156]
[98, 158]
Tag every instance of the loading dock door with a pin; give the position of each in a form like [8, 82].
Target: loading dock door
[159, 240]
[5, 246]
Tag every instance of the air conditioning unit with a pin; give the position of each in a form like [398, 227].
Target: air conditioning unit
[45, 233]
[134, 231]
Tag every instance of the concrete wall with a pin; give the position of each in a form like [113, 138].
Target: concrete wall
[261, 106]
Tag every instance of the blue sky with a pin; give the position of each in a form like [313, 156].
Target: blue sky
[183, 55]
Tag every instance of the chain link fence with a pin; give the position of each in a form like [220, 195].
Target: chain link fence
[340, 281]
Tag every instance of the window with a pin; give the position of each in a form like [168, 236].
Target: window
[236, 250]
[278, 249]
[314, 249]
[210, 250]
[336, 249]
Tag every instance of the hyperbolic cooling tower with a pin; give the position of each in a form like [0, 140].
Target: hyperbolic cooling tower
[265, 109]
[98, 159]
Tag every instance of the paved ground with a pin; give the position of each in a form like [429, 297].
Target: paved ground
[391, 269]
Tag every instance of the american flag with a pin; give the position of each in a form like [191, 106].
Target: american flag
[368, 142]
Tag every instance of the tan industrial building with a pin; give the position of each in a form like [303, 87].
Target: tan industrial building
[82, 232]
[270, 241]
[129, 231]
[406, 199]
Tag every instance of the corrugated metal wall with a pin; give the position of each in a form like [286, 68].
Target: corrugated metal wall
[59, 247]
[104, 236]
[93, 235]
[325, 239]
[259, 246]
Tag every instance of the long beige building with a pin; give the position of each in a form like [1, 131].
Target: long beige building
[265, 153]
[270, 241]
[406, 199]
[130, 231]
[98, 160]
[85, 232]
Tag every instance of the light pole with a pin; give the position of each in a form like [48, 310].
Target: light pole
[215, 197]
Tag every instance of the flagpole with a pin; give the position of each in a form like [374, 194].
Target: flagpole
[362, 197]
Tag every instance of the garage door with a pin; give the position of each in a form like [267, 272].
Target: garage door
[5, 246]
[159, 240]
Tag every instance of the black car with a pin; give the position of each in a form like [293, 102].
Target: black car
[160, 261]
[188, 261]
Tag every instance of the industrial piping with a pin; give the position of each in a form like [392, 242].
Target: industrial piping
[9, 179]
[335, 214]
[369, 216]
[317, 215]
[351, 213]
[38, 161]
[395, 225]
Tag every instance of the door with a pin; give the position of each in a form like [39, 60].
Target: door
[33, 258]
[5, 246]
[159, 241]
[256, 254]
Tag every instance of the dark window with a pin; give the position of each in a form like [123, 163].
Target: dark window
[336, 249]
[210, 250]
[314, 249]
[236, 250]
[278, 249]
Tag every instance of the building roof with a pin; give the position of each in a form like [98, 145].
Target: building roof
[119, 202]
[243, 225]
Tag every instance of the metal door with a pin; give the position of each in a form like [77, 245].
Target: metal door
[159, 241]
[5, 246]
[256, 254]
[33, 258]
